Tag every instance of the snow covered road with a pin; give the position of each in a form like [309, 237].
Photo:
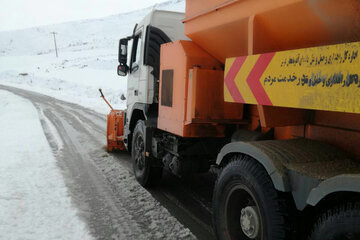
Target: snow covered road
[105, 201]
[34, 203]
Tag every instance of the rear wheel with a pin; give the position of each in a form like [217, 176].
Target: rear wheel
[145, 172]
[341, 223]
[246, 204]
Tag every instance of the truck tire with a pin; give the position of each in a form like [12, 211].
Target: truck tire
[246, 204]
[340, 223]
[145, 172]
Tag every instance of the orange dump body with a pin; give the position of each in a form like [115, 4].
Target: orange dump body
[192, 92]
[229, 28]
[251, 34]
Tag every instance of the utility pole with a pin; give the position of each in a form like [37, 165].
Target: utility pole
[54, 33]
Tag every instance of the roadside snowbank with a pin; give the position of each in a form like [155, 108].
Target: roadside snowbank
[73, 77]
[34, 203]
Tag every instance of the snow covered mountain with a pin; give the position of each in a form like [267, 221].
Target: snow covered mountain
[78, 35]
[87, 57]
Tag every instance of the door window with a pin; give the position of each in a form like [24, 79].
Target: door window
[135, 54]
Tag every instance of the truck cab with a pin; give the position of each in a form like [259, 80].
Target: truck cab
[142, 64]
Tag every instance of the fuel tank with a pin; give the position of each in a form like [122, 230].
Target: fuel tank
[229, 28]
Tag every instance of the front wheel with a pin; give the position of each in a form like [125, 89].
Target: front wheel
[145, 172]
[246, 204]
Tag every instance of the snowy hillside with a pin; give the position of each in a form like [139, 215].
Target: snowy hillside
[87, 57]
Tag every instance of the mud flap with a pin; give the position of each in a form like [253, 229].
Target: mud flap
[149, 134]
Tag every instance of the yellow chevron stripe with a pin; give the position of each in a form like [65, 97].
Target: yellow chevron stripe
[229, 63]
[227, 95]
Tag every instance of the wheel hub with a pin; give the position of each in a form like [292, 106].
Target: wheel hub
[139, 153]
[249, 221]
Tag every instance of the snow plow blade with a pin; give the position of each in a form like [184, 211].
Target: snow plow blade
[115, 128]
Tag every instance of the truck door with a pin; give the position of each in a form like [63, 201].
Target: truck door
[134, 93]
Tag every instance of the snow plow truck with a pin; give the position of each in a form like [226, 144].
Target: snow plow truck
[266, 91]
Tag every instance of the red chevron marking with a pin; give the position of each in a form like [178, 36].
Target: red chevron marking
[230, 79]
[253, 79]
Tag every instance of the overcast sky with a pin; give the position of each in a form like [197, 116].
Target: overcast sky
[16, 14]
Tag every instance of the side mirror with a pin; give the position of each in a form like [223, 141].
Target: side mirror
[122, 70]
[123, 47]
